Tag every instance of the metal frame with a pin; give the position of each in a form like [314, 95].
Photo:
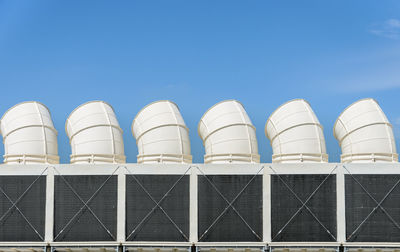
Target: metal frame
[85, 204]
[157, 203]
[230, 204]
[209, 169]
[303, 204]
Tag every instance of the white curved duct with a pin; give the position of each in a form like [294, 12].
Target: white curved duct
[29, 135]
[296, 134]
[365, 134]
[161, 134]
[94, 134]
[228, 134]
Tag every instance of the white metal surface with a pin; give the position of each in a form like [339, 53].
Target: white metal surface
[228, 134]
[94, 134]
[208, 169]
[29, 135]
[161, 134]
[296, 134]
[365, 134]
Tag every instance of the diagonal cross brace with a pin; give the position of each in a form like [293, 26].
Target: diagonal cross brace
[86, 204]
[378, 204]
[157, 204]
[14, 204]
[230, 205]
[304, 204]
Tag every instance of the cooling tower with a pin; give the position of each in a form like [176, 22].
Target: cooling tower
[228, 134]
[94, 134]
[161, 134]
[365, 134]
[296, 134]
[29, 135]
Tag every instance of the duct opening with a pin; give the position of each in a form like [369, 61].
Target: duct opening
[161, 134]
[296, 134]
[95, 135]
[29, 135]
[228, 134]
[365, 134]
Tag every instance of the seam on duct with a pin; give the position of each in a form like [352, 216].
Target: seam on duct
[295, 126]
[43, 128]
[30, 126]
[164, 140]
[298, 99]
[247, 129]
[16, 105]
[110, 128]
[160, 126]
[227, 126]
[383, 116]
[134, 119]
[85, 118]
[177, 128]
[94, 126]
[94, 101]
[279, 140]
[201, 119]
[299, 140]
[149, 119]
[367, 125]
[311, 113]
[228, 140]
[365, 99]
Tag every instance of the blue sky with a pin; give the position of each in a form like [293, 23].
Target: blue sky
[196, 53]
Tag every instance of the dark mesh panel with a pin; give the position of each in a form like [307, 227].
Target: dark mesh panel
[230, 227]
[157, 227]
[13, 227]
[378, 227]
[303, 226]
[85, 227]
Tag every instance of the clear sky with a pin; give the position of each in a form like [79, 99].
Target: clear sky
[197, 53]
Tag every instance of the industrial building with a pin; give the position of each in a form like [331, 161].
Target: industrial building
[232, 202]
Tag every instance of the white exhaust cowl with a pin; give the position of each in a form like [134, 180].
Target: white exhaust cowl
[228, 134]
[29, 135]
[365, 134]
[94, 134]
[296, 134]
[161, 134]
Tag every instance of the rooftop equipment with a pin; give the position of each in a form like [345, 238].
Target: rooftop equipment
[94, 134]
[161, 134]
[296, 134]
[228, 134]
[29, 135]
[365, 134]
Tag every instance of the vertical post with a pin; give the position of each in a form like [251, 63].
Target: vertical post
[193, 205]
[49, 218]
[121, 207]
[266, 185]
[341, 204]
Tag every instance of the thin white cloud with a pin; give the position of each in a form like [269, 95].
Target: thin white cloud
[364, 81]
[388, 29]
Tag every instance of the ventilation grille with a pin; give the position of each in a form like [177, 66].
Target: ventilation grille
[314, 222]
[95, 221]
[242, 196]
[365, 220]
[157, 207]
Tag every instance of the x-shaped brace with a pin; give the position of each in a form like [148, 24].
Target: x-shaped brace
[378, 204]
[157, 204]
[230, 205]
[85, 205]
[304, 203]
[14, 204]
